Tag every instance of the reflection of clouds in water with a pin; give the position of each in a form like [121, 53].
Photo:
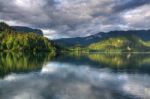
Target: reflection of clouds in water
[66, 81]
[138, 85]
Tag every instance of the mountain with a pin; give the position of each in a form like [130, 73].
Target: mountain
[27, 30]
[12, 40]
[121, 44]
[85, 41]
[5, 27]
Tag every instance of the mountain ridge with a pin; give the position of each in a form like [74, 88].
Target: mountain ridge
[27, 29]
[21, 29]
[85, 41]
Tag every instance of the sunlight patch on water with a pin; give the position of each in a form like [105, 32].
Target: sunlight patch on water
[27, 95]
[50, 68]
[10, 77]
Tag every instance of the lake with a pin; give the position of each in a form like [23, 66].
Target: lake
[75, 76]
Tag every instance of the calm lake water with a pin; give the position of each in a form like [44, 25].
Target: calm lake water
[88, 76]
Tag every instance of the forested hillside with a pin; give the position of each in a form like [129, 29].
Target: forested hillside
[11, 40]
[115, 44]
[121, 44]
[85, 41]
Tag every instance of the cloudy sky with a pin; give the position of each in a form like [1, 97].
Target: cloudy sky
[71, 18]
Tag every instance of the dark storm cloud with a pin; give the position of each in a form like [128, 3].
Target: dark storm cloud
[130, 4]
[70, 18]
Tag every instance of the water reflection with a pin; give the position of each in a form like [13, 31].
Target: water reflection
[121, 60]
[127, 62]
[64, 81]
[22, 62]
[134, 62]
[92, 76]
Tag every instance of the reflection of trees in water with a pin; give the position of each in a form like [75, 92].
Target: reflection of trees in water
[108, 59]
[121, 60]
[22, 62]
[125, 62]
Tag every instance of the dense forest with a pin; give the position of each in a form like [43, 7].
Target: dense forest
[130, 43]
[121, 44]
[12, 40]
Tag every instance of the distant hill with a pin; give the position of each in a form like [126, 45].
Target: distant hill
[85, 41]
[27, 30]
[121, 44]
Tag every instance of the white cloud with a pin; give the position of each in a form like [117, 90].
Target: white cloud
[138, 17]
[70, 18]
